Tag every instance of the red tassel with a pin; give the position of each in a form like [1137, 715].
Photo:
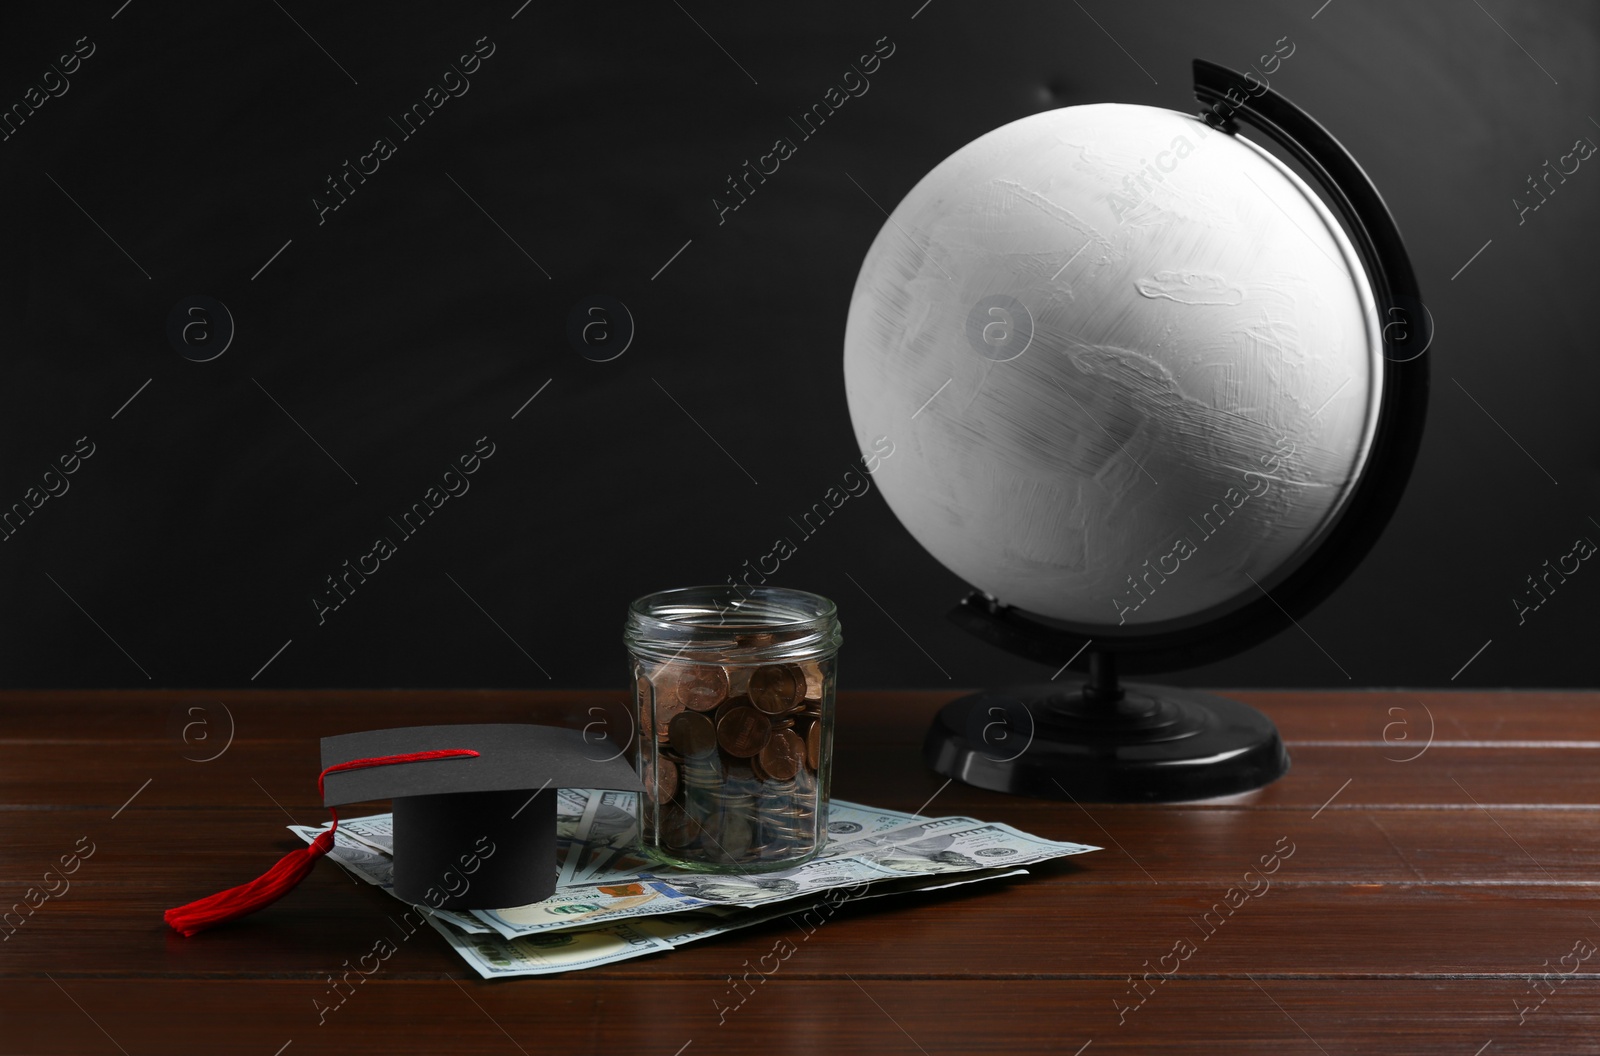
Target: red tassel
[292, 868]
[247, 898]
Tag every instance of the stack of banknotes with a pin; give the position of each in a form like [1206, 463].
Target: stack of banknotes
[611, 904]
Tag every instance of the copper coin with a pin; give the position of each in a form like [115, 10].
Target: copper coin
[699, 686]
[664, 714]
[814, 746]
[660, 778]
[666, 706]
[777, 688]
[754, 640]
[678, 829]
[701, 772]
[743, 732]
[692, 734]
[757, 769]
[729, 704]
[728, 837]
[781, 756]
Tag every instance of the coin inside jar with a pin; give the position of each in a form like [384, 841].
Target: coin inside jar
[700, 686]
[743, 732]
[692, 734]
[777, 688]
[660, 778]
[666, 706]
[729, 704]
[814, 746]
[678, 830]
[782, 755]
[731, 835]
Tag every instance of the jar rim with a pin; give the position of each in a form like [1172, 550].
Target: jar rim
[714, 600]
[717, 619]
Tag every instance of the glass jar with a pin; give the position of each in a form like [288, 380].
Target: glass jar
[734, 691]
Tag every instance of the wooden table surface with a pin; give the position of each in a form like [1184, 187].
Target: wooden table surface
[1443, 872]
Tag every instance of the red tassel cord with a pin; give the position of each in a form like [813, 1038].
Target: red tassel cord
[293, 867]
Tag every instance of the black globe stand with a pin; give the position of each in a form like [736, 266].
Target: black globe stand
[1130, 743]
[1106, 742]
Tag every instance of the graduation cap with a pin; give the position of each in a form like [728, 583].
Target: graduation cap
[474, 814]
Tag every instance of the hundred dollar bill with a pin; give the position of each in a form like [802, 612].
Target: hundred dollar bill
[662, 892]
[718, 920]
[953, 845]
[609, 828]
[574, 907]
[364, 862]
[376, 831]
[846, 820]
[758, 888]
[494, 957]
[377, 869]
[908, 829]
[623, 866]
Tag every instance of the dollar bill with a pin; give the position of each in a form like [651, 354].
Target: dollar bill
[574, 907]
[912, 828]
[620, 868]
[494, 957]
[376, 831]
[664, 892]
[874, 853]
[361, 860]
[847, 821]
[717, 920]
[913, 884]
[609, 828]
[754, 889]
[954, 845]
[607, 944]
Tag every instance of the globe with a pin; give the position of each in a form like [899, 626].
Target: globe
[1130, 366]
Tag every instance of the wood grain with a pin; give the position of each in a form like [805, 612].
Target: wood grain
[1420, 898]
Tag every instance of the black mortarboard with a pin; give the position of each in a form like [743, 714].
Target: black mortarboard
[495, 813]
[474, 813]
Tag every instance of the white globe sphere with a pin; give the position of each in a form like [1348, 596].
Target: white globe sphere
[1130, 366]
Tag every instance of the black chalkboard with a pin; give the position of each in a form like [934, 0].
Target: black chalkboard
[404, 344]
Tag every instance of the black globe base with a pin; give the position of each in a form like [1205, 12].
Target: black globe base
[1106, 743]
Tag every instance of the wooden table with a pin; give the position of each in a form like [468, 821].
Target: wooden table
[1430, 888]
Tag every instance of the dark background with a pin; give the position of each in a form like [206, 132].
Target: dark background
[409, 324]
